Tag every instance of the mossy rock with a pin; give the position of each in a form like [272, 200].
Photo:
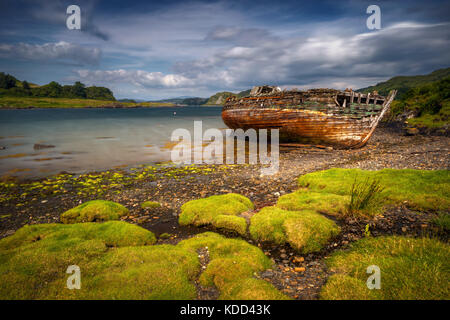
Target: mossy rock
[150, 205]
[327, 203]
[410, 269]
[306, 231]
[417, 189]
[231, 223]
[232, 267]
[211, 211]
[118, 261]
[94, 211]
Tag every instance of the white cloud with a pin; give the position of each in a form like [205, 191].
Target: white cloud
[137, 77]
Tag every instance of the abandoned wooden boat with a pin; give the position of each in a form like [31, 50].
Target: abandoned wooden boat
[318, 116]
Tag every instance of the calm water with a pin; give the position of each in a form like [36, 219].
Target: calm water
[92, 139]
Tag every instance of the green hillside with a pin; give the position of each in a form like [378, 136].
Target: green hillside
[220, 97]
[428, 103]
[404, 83]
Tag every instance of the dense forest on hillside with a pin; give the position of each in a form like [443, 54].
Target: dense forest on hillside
[10, 86]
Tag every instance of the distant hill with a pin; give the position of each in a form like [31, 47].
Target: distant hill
[12, 87]
[190, 101]
[220, 97]
[404, 83]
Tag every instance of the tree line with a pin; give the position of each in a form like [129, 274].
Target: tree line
[10, 86]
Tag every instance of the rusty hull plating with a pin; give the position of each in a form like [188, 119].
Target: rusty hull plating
[327, 116]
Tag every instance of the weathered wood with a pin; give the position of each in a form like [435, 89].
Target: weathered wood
[318, 118]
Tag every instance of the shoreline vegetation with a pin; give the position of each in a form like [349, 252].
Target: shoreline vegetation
[225, 232]
[39, 102]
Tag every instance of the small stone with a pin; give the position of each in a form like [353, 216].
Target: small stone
[298, 259]
[404, 229]
[38, 146]
[283, 256]
[299, 269]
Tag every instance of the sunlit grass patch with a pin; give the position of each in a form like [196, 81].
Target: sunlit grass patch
[410, 269]
[94, 211]
[306, 231]
[233, 267]
[209, 211]
[418, 189]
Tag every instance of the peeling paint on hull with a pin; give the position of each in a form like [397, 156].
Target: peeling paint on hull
[318, 122]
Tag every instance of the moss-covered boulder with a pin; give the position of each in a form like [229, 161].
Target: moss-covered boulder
[118, 261]
[150, 205]
[410, 269]
[220, 211]
[306, 231]
[94, 211]
[233, 265]
[327, 203]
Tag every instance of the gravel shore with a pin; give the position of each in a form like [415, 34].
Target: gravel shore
[299, 276]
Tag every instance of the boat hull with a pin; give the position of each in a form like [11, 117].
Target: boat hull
[305, 126]
[319, 116]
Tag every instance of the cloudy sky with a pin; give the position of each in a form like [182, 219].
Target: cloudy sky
[161, 49]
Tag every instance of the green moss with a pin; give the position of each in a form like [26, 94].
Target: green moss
[233, 266]
[410, 269]
[328, 203]
[117, 261]
[418, 189]
[233, 223]
[94, 211]
[150, 205]
[208, 211]
[306, 231]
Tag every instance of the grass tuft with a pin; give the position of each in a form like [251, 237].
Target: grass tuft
[364, 197]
